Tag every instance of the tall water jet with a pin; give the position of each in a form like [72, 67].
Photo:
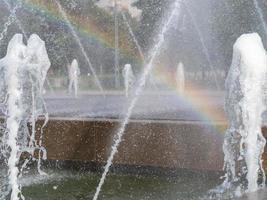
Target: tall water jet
[15, 54]
[10, 20]
[244, 104]
[63, 13]
[24, 69]
[204, 47]
[260, 13]
[175, 13]
[20, 26]
[18, 22]
[74, 72]
[128, 76]
[116, 45]
[180, 77]
[133, 36]
[137, 45]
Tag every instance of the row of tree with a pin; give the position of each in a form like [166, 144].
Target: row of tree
[202, 37]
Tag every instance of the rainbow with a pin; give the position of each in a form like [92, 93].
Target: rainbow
[195, 96]
[94, 28]
[90, 27]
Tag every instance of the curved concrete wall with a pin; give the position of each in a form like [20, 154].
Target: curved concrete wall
[164, 144]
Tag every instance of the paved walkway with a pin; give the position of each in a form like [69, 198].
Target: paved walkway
[151, 105]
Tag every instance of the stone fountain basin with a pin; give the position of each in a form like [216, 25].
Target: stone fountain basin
[156, 160]
[147, 144]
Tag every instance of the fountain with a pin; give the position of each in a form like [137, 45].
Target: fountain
[204, 47]
[139, 48]
[10, 20]
[244, 143]
[18, 22]
[74, 72]
[118, 137]
[128, 76]
[261, 16]
[76, 37]
[180, 78]
[116, 46]
[24, 70]
[171, 136]
[133, 36]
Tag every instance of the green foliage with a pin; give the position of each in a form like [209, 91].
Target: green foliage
[220, 22]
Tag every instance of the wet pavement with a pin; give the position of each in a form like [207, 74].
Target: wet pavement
[154, 106]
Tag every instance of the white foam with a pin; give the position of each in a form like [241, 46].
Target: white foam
[244, 143]
[24, 68]
[129, 78]
[74, 72]
[174, 14]
[180, 77]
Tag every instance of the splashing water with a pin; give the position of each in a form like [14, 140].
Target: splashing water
[137, 45]
[259, 11]
[20, 26]
[128, 78]
[24, 69]
[133, 36]
[74, 73]
[154, 53]
[18, 22]
[63, 13]
[244, 143]
[247, 75]
[116, 47]
[180, 78]
[14, 116]
[204, 47]
[10, 20]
